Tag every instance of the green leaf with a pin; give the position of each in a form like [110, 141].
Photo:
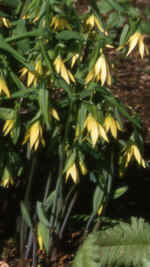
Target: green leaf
[82, 116]
[104, 6]
[60, 83]
[24, 93]
[26, 215]
[7, 113]
[49, 201]
[6, 47]
[122, 109]
[45, 233]
[97, 198]
[116, 6]
[41, 214]
[133, 12]
[16, 132]
[22, 45]
[44, 105]
[144, 27]
[69, 35]
[115, 20]
[11, 3]
[124, 34]
[120, 191]
[120, 245]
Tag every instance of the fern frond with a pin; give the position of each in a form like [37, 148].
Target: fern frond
[121, 245]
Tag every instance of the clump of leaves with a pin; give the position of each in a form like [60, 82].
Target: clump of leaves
[124, 244]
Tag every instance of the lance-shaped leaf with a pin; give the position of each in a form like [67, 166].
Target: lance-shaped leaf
[41, 214]
[43, 235]
[43, 102]
[26, 215]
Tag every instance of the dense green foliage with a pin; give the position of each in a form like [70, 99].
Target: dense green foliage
[60, 122]
[120, 245]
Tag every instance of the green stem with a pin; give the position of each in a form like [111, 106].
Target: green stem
[46, 57]
[23, 228]
[24, 35]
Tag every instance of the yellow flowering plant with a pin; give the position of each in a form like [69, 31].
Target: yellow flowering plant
[62, 128]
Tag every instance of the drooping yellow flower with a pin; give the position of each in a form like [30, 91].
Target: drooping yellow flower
[95, 129]
[131, 152]
[3, 87]
[5, 22]
[92, 21]
[100, 210]
[59, 23]
[8, 126]
[38, 67]
[137, 39]
[74, 59]
[7, 178]
[112, 125]
[34, 135]
[31, 77]
[83, 168]
[73, 173]
[55, 114]
[100, 72]
[39, 237]
[62, 70]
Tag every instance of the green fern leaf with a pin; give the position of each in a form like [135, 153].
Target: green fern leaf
[121, 245]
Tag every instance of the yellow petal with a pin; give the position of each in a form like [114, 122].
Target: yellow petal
[92, 127]
[38, 67]
[98, 65]
[73, 60]
[109, 79]
[73, 172]
[143, 163]
[113, 128]
[6, 179]
[8, 126]
[94, 133]
[3, 87]
[83, 168]
[31, 78]
[146, 50]
[103, 70]
[71, 76]
[6, 22]
[98, 25]
[129, 155]
[58, 63]
[118, 125]
[40, 238]
[34, 134]
[133, 42]
[90, 21]
[64, 73]
[100, 210]
[27, 136]
[102, 133]
[23, 71]
[141, 46]
[107, 123]
[137, 154]
[90, 76]
[55, 114]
